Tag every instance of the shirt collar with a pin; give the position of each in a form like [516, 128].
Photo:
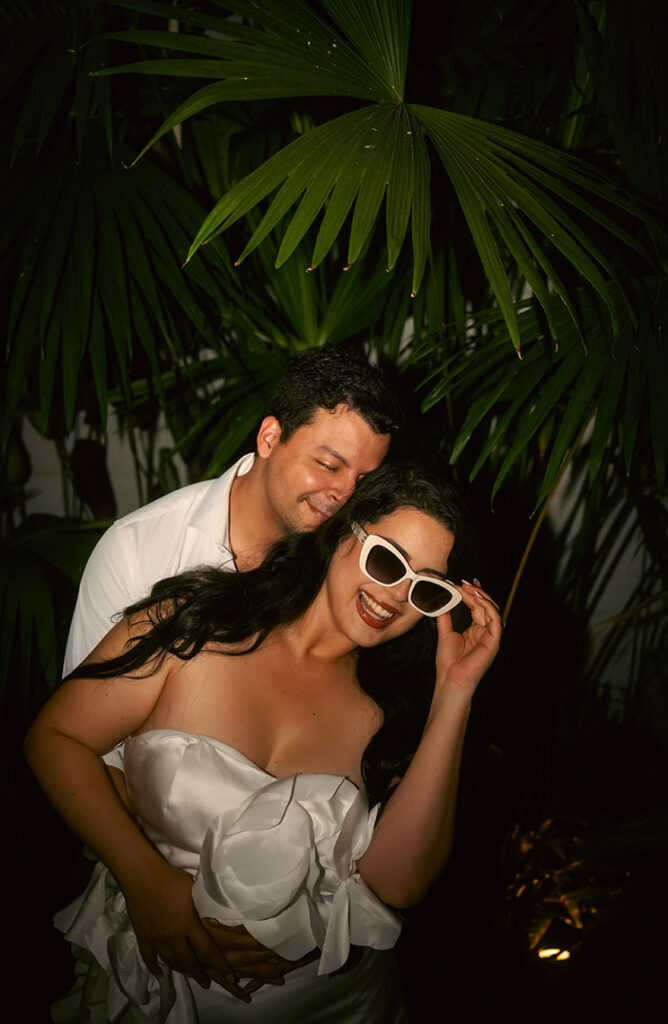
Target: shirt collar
[212, 516]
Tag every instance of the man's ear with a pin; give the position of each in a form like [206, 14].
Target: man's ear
[268, 436]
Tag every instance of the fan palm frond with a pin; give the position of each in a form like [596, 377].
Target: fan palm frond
[521, 198]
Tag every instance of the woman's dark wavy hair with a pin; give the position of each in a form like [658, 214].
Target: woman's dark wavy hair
[209, 606]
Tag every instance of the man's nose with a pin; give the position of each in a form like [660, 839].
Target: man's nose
[342, 487]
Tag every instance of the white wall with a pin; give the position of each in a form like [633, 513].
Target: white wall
[45, 486]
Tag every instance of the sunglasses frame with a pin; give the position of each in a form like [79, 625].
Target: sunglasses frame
[372, 540]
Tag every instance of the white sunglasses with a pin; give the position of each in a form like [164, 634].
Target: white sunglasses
[383, 563]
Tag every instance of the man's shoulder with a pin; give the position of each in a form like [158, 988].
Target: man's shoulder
[177, 503]
[186, 502]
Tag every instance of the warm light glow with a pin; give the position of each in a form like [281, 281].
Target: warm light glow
[553, 953]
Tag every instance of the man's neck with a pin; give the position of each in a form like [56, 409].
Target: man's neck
[253, 526]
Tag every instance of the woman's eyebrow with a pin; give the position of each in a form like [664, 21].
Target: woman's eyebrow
[392, 541]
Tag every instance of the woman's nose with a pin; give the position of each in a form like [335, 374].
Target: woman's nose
[400, 591]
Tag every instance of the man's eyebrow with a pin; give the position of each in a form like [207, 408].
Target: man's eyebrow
[333, 452]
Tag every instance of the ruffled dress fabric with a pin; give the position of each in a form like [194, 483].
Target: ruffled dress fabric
[276, 855]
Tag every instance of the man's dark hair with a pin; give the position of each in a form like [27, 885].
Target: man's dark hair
[323, 378]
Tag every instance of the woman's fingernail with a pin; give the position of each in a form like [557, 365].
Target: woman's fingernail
[466, 582]
[477, 582]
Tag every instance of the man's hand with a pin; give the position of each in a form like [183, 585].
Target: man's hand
[169, 930]
[249, 958]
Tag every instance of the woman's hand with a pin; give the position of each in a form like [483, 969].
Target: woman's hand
[463, 658]
[168, 929]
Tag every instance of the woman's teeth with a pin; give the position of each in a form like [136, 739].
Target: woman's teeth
[373, 608]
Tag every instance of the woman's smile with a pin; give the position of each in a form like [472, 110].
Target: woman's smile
[373, 612]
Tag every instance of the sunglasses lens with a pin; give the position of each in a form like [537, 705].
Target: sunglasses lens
[429, 597]
[383, 565]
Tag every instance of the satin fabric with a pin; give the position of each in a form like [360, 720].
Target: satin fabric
[276, 855]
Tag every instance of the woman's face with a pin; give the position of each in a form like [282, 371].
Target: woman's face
[366, 612]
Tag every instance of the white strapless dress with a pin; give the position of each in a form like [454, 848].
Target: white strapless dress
[276, 855]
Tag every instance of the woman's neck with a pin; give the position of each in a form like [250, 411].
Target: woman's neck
[315, 634]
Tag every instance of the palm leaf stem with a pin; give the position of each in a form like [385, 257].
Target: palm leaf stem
[537, 525]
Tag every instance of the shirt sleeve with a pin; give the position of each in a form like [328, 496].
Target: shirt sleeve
[107, 587]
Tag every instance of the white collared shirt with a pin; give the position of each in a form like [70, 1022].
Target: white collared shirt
[179, 531]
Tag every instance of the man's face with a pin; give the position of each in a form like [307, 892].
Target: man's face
[315, 471]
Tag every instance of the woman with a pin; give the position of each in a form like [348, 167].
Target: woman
[260, 709]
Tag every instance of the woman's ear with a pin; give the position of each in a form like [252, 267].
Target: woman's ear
[268, 436]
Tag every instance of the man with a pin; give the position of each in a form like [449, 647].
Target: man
[329, 423]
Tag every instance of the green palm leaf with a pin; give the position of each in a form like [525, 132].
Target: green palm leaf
[515, 192]
[502, 177]
[291, 52]
[42, 550]
[310, 167]
[508, 407]
[43, 61]
[99, 271]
